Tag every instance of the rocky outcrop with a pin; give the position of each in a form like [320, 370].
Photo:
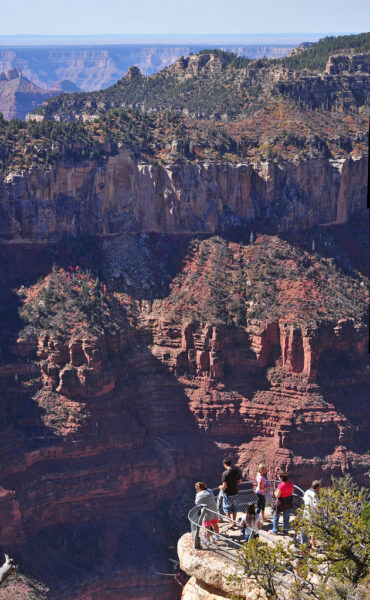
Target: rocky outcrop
[355, 63]
[209, 573]
[345, 84]
[126, 196]
[299, 49]
[91, 454]
[18, 95]
[291, 413]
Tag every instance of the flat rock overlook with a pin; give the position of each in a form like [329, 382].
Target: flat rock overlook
[176, 288]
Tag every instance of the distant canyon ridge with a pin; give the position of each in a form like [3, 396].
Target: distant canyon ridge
[97, 67]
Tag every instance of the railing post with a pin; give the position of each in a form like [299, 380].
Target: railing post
[197, 545]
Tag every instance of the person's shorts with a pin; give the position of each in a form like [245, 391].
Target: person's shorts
[209, 523]
[302, 538]
[229, 503]
[261, 502]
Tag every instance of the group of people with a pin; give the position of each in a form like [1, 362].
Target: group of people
[255, 513]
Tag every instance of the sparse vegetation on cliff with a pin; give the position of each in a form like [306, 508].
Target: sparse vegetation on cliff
[280, 131]
[316, 56]
[229, 283]
[70, 303]
[212, 84]
[213, 106]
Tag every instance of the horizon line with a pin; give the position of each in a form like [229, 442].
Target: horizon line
[175, 34]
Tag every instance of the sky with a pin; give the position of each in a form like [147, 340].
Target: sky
[86, 17]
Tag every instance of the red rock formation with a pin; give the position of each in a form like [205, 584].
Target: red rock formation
[100, 453]
[125, 196]
[233, 398]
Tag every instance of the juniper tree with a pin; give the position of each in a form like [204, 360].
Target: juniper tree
[337, 567]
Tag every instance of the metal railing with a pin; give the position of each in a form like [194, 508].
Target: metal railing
[245, 495]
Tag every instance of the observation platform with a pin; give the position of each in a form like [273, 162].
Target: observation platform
[210, 563]
[231, 540]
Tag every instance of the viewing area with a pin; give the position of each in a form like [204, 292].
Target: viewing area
[210, 563]
[229, 541]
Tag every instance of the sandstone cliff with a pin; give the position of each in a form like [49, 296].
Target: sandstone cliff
[209, 572]
[90, 458]
[125, 196]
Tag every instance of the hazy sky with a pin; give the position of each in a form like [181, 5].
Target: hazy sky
[186, 16]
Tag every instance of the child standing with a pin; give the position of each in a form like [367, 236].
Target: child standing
[261, 490]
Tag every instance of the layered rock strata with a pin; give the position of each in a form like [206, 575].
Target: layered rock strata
[344, 85]
[103, 435]
[268, 391]
[93, 465]
[95, 67]
[126, 196]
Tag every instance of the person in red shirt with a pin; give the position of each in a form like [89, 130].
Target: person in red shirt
[283, 503]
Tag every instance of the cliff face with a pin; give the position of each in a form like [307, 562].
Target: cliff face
[344, 84]
[125, 196]
[18, 95]
[104, 432]
[292, 413]
[92, 458]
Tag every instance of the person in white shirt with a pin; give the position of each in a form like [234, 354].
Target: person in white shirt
[261, 490]
[311, 500]
[251, 522]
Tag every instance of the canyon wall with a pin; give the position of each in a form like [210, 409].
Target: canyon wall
[124, 196]
[269, 390]
[18, 96]
[344, 84]
[94, 469]
[95, 67]
[103, 436]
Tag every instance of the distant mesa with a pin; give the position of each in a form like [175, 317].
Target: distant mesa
[18, 95]
[10, 75]
[99, 66]
[66, 85]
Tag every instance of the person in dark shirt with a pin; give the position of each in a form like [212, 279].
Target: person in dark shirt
[231, 478]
